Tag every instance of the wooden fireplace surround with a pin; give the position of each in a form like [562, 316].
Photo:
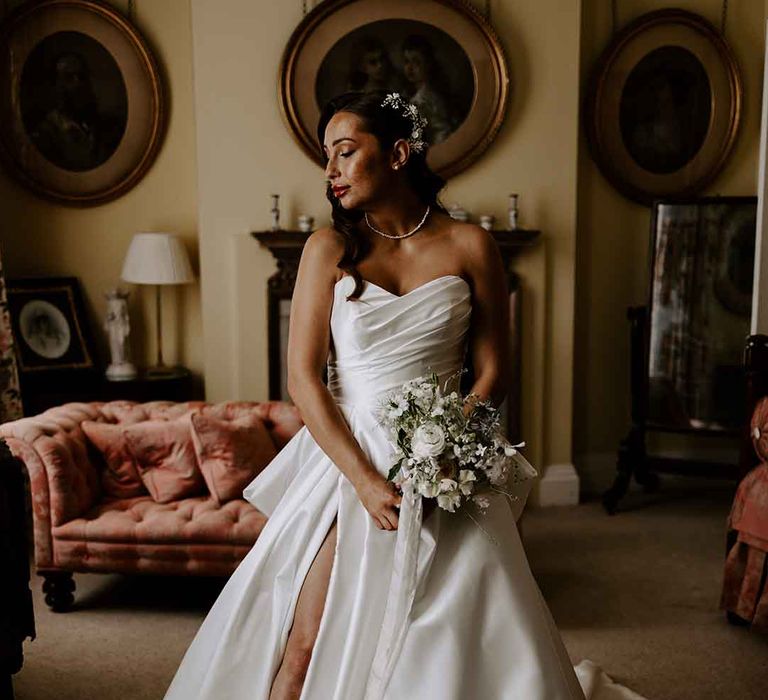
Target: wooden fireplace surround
[286, 247]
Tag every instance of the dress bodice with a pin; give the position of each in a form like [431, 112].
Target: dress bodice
[382, 340]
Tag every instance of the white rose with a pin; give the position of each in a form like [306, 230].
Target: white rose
[428, 489]
[449, 501]
[428, 440]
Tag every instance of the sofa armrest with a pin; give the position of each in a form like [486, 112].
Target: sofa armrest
[64, 481]
[41, 509]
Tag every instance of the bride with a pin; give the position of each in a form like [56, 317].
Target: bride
[352, 591]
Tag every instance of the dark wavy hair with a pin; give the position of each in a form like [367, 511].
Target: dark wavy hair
[387, 125]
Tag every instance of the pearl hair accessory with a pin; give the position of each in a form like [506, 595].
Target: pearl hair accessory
[394, 100]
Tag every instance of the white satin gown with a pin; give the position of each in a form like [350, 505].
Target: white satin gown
[432, 610]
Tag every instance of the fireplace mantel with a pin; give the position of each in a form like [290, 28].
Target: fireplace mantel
[286, 247]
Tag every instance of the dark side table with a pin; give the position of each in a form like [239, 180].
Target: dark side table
[42, 391]
[178, 386]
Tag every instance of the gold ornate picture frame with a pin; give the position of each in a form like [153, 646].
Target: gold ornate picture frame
[82, 106]
[664, 105]
[440, 54]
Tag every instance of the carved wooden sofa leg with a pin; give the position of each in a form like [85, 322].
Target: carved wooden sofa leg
[59, 589]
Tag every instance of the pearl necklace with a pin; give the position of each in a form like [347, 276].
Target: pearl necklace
[404, 235]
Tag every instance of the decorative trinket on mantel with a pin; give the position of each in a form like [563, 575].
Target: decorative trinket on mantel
[306, 223]
[513, 212]
[275, 211]
[486, 221]
[458, 213]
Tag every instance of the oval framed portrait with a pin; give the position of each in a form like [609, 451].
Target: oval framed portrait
[664, 106]
[441, 55]
[82, 107]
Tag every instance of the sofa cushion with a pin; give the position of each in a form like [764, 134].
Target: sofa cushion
[759, 427]
[120, 478]
[165, 458]
[196, 520]
[230, 452]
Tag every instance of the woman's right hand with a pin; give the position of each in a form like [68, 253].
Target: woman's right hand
[381, 499]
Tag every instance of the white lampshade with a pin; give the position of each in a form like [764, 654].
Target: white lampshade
[157, 258]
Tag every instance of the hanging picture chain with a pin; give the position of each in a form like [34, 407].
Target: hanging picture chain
[723, 14]
[613, 16]
[488, 10]
[131, 10]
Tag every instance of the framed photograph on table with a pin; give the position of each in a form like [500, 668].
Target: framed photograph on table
[81, 101]
[664, 106]
[49, 325]
[441, 55]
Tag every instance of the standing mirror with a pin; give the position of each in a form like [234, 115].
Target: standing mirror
[699, 312]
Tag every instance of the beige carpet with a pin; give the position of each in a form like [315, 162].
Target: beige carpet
[636, 593]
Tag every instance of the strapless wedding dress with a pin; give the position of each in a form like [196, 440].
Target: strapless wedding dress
[432, 610]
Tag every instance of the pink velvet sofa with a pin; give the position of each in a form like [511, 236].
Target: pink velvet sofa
[88, 518]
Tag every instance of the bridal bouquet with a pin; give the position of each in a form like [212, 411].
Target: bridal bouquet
[456, 458]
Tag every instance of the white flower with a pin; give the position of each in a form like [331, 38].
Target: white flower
[481, 502]
[428, 488]
[510, 450]
[447, 485]
[449, 501]
[428, 440]
[497, 472]
[466, 477]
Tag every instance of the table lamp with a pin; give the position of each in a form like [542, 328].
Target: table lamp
[157, 258]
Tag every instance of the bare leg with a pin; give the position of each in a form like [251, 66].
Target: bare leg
[289, 678]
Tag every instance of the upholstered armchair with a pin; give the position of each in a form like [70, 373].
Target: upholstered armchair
[145, 487]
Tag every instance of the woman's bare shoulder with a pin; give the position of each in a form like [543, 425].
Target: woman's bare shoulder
[322, 251]
[326, 239]
[478, 250]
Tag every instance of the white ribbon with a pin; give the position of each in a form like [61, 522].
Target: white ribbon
[402, 589]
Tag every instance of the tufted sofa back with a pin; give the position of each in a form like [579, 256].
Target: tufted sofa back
[55, 450]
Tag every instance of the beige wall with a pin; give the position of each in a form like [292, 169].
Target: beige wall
[613, 237]
[245, 153]
[40, 238]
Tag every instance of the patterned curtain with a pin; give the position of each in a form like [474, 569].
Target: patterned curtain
[10, 396]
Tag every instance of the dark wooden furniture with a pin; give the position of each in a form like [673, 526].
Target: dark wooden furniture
[44, 390]
[17, 620]
[286, 246]
[633, 457]
[688, 375]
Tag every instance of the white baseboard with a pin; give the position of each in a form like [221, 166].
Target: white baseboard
[559, 486]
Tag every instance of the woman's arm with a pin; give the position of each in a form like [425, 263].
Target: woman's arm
[308, 347]
[489, 328]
